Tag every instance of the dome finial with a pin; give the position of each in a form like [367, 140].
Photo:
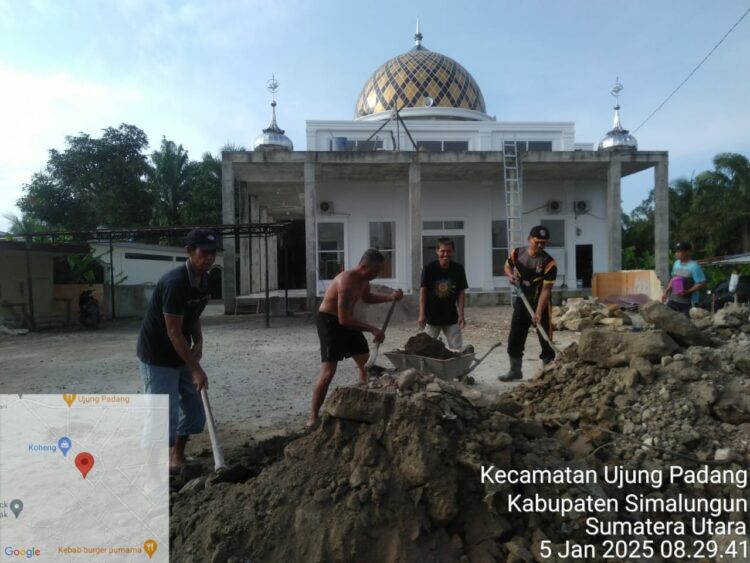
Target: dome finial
[618, 138]
[418, 36]
[273, 136]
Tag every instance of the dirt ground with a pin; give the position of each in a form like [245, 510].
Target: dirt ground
[260, 378]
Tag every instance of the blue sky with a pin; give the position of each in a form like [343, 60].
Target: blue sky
[196, 71]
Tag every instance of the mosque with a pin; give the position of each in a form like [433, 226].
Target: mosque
[421, 159]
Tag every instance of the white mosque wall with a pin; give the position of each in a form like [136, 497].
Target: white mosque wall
[477, 205]
[356, 205]
[480, 135]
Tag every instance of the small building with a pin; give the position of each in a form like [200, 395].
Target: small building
[137, 268]
[421, 159]
[27, 284]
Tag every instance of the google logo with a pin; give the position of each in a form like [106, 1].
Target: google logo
[28, 553]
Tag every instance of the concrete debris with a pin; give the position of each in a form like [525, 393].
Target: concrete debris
[677, 325]
[393, 471]
[580, 313]
[13, 331]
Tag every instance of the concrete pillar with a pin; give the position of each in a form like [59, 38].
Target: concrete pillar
[614, 214]
[273, 260]
[415, 222]
[262, 241]
[661, 219]
[311, 233]
[244, 250]
[255, 247]
[229, 285]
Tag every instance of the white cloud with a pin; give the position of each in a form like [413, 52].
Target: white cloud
[37, 112]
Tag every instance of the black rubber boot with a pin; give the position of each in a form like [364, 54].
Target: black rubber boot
[515, 370]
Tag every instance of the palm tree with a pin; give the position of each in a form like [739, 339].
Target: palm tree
[21, 224]
[170, 180]
[723, 203]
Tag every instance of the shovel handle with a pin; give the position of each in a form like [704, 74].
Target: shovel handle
[374, 356]
[539, 329]
[215, 446]
[480, 360]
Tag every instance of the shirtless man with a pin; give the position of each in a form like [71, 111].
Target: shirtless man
[339, 332]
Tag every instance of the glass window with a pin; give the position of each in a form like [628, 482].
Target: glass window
[540, 145]
[442, 225]
[369, 145]
[499, 247]
[330, 249]
[431, 146]
[138, 256]
[556, 231]
[456, 145]
[383, 238]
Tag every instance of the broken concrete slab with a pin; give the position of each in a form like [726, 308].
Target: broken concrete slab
[677, 325]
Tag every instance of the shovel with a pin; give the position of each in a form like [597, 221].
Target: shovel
[480, 360]
[236, 474]
[371, 361]
[539, 329]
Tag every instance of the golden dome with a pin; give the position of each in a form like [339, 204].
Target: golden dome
[419, 78]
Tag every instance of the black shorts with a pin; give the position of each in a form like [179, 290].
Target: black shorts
[338, 342]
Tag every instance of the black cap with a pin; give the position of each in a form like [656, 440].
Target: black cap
[205, 239]
[540, 232]
[683, 245]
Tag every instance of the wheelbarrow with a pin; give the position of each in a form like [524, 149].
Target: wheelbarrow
[452, 368]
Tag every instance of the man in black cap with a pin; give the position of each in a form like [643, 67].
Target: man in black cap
[686, 282]
[170, 344]
[533, 272]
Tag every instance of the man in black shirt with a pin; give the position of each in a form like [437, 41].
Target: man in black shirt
[441, 296]
[170, 344]
[533, 272]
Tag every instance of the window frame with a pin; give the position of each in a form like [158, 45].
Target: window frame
[339, 220]
[493, 247]
[394, 250]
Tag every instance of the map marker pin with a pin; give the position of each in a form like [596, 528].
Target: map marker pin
[16, 506]
[64, 445]
[69, 398]
[149, 546]
[84, 463]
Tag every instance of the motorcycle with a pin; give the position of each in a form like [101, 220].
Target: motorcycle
[88, 309]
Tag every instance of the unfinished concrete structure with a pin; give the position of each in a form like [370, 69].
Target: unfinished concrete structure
[398, 180]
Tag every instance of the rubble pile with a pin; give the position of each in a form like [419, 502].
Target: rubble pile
[580, 313]
[394, 471]
[650, 397]
[387, 476]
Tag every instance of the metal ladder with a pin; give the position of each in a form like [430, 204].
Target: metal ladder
[513, 194]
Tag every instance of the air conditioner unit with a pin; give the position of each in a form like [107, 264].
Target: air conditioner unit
[581, 206]
[326, 207]
[554, 206]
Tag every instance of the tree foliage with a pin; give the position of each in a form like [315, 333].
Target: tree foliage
[92, 182]
[111, 181]
[170, 178]
[710, 210]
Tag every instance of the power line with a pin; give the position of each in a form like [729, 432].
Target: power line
[692, 72]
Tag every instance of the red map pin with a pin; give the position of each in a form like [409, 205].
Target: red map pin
[84, 463]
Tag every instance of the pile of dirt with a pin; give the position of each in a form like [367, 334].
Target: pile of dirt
[396, 469]
[387, 476]
[652, 398]
[424, 345]
[580, 313]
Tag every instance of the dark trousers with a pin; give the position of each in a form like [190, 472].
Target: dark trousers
[683, 308]
[519, 330]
